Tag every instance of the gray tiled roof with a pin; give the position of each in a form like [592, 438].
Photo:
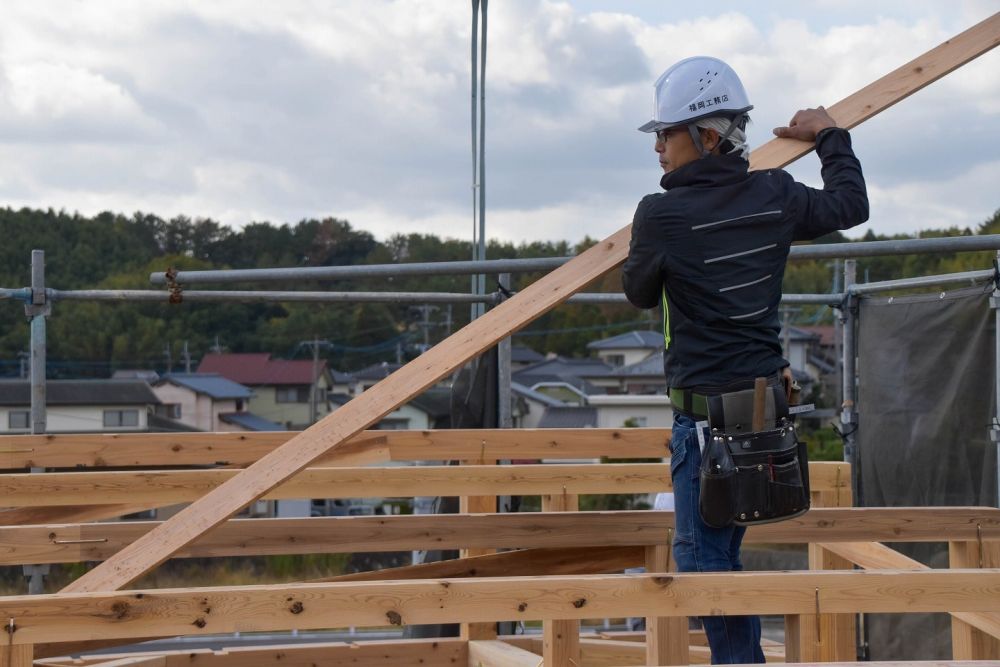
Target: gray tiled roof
[250, 421]
[210, 384]
[651, 366]
[569, 417]
[536, 396]
[633, 340]
[80, 392]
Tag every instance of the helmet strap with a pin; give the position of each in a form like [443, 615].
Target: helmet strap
[696, 138]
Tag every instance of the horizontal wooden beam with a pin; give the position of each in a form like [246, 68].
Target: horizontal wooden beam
[495, 653]
[596, 652]
[152, 450]
[518, 563]
[178, 486]
[61, 543]
[75, 616]
[254, 537]
[67, 514]
[378, 653]
[143, 489]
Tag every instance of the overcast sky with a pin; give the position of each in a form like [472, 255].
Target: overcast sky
[246, 111]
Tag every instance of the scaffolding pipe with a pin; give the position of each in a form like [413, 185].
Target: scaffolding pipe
[37, 309]
[252, 296]
[849, 415]
[802, 252]
[973, 278]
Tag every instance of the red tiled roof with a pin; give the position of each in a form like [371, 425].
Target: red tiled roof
[259, 368]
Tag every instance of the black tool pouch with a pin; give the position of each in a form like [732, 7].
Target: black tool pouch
[750, 478]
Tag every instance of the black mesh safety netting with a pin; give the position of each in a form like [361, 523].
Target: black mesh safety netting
[926, 400]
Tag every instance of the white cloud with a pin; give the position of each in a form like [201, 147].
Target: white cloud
[360, 109]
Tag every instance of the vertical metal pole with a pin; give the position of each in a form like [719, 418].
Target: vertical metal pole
[482, 157]
[849, 413]
[995, 431]
[474, 310]
[504, 419]
[38, 312]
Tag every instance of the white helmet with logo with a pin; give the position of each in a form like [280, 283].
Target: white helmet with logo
[696, 88]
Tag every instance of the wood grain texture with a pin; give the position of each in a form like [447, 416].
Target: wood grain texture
[967, 641]
[377, 653]
[522, 562]
[666, 637]
[561, 637]
[105, 615]
[495, 653]
[479, 335]
[250, 537]
[152, 450]
[71, 543]
[177, 486]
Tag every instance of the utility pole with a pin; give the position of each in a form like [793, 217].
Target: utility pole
[169, 357]
[187, 359]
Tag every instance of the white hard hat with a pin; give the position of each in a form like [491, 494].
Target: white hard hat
[696, 88]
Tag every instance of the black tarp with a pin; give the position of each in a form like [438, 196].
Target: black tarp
[926, 400]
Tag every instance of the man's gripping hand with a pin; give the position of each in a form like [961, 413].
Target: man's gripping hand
[806, 124]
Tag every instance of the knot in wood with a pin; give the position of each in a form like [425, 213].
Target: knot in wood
[663, 581]
[579, 603]
[199, 622]
[297, 607]
[522, 606]
[394, 617]
[120, 610]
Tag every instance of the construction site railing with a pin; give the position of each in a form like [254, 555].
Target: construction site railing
[575, 549]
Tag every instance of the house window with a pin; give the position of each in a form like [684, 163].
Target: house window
[615, 359]
[168, 410]
[291, 394]
[19, 419]
[120, 418]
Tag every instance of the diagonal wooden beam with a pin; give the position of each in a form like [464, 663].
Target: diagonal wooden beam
[217, 505]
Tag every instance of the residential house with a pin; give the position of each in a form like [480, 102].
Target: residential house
[208, 402]
[627, 348]
[528, 406]
[79, 406]
[522, 356]
[429, 410]
[288, 392]
[371, 375]
[631, 410]
[567, 380]
[642, 377]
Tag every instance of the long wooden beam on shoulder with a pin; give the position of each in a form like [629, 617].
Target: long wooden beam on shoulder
[167, 487]
[75, 543]
[105, 615]
[481, 334]
[238, 450]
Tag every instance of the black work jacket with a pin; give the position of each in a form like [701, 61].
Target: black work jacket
[711, 251]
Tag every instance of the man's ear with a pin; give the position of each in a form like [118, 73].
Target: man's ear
[709, 138]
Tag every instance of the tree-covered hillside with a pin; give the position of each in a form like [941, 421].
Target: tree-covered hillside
[116, 251]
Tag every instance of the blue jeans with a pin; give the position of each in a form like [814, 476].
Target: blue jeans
[701, 548]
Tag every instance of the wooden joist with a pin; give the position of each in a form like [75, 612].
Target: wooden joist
[481, 334]
[105, 615]
[537, 530]
[376, 653]
[149, 489]
[238, 450]
[168, 487]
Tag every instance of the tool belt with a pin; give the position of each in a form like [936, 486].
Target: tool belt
[750, 477]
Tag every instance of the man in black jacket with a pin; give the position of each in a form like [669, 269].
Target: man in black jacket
[711, 251]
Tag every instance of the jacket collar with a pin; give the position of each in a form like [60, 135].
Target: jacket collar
[712, 170]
